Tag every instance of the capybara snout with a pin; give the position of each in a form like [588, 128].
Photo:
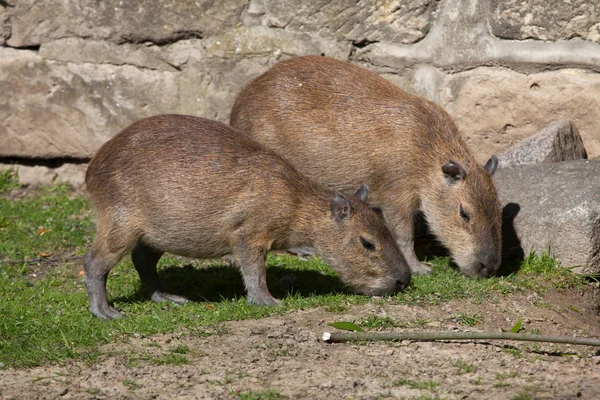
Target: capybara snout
[198, 188]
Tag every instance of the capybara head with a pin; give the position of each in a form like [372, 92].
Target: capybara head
[360, 247]
[465, 213]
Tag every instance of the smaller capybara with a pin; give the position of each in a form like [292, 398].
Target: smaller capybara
[344, 124]
[198, 188]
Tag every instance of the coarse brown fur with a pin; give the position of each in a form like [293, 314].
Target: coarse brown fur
[342, 125]
[197, 188]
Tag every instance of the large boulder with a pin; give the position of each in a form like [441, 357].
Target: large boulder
[559, 141]
[555, 206]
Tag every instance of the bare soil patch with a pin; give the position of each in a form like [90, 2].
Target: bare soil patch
[285, 354]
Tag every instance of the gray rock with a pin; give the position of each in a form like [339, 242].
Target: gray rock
[559, 141]
[36, 22]
[546, 20]
[556, 205]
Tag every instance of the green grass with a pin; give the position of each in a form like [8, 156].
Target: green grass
[50, 223]
[428, 384]
[264, 395]
[463, 367]
[8, 180]
[130, 384]
[171, 359]
[469, 319]
[377, 322]
[45, 318]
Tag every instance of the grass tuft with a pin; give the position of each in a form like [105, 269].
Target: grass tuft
[428, 384]
[264, 395]
[9, 179]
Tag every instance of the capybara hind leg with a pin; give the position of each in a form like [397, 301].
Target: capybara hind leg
[97, 265]
[145, 259]
[254, 271]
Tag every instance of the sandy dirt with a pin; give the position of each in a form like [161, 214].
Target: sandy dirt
[285, 354]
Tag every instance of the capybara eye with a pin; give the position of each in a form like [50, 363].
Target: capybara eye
[463, 214]
[366, 244]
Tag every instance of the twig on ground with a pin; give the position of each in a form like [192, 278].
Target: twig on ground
[434, 336]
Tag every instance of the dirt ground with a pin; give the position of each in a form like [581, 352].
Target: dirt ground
[285, 354]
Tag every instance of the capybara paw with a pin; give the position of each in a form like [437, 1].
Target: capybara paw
[161, 296]
[419, 268]
[107, 313]
[263, 300]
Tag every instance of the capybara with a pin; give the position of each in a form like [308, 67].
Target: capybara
[342, 125]
[198, 188]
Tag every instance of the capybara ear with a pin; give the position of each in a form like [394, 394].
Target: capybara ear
[491, 165]
[362, 193]
[454, 171]
[340, 207]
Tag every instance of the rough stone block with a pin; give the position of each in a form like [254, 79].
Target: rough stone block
[556, 205]
[398, 21]
[559, 141]
[35, 22]
[546, 20]
[50, 109]
[496, 108]
[69, 108]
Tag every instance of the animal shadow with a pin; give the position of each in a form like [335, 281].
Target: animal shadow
[217, 282]
[512, 251]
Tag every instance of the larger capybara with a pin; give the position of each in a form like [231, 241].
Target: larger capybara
[198, 188]
[343, 125]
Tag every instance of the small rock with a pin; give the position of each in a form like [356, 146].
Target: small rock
[559, 141]
[326, 385]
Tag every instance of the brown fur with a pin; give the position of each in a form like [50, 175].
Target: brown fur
[343, 125]
[198, 188]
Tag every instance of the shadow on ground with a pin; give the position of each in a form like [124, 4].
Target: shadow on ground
[219, 282]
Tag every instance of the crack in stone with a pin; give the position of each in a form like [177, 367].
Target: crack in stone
[175, 37]
[53, 162]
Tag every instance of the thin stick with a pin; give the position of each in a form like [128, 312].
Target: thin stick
[433, 336]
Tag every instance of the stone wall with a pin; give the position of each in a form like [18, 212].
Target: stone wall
[75, 72]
